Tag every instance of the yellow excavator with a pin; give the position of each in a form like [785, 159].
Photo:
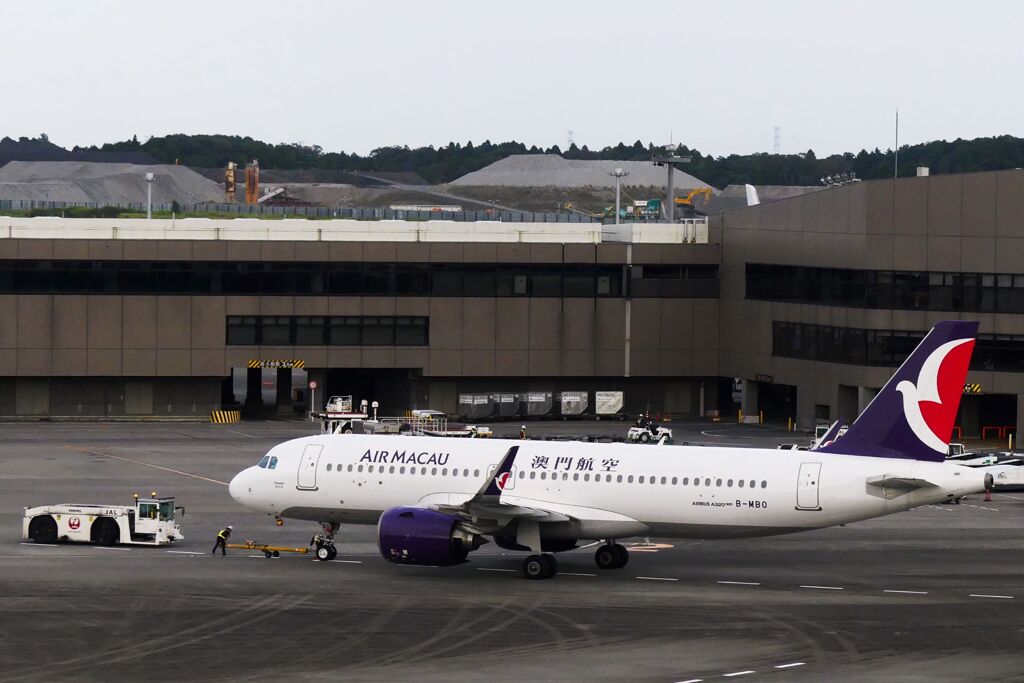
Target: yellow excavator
[687, 201]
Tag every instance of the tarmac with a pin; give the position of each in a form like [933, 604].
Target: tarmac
[930, 594]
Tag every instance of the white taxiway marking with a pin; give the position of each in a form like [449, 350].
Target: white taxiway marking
[348, 561]
[248, 436]
[147, 464]
[101, 547]
[983, 595]
[576, 574]
[691, 680]
[491, 569]
[184, 552]
[738, 673]
[655, 578]
[41, 545]
[740, 583]
[906, 592]
[824, 588]
[788, 666]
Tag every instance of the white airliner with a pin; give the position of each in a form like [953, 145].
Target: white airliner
[434, 500]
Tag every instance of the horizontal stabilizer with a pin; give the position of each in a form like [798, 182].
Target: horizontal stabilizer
[886, 481]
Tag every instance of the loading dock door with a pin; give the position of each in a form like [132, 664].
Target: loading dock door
[307, 467]
[807, 486]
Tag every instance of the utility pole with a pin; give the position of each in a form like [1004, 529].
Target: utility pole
[618, 174]
[896, 162]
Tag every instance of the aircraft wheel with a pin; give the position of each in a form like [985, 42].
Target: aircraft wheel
[333, 553]
[622, 556]
[323, 553]
[43, 529]
[540, 567]
[605, 557]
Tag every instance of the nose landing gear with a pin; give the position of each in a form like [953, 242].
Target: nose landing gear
[323, 543]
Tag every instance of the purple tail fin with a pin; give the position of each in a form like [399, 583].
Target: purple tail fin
[912, 416]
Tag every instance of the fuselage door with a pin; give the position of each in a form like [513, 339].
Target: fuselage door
[307, 467]
[807, 486]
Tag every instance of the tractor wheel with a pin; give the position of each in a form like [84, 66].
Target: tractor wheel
[43, 529]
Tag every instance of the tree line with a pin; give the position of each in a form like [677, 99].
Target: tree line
[446, 163]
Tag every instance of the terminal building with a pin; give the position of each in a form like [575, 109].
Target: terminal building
[798, 309]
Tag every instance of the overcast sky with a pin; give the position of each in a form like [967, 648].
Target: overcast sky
[715, 75]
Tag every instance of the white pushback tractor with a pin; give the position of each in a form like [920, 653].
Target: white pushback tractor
[150, 521]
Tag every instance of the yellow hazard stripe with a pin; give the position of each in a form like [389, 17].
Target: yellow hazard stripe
[225, 416]
[290, 363]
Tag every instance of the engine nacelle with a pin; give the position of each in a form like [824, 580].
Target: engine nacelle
[409, 535]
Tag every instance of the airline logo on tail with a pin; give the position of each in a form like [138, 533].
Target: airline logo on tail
[930, 406]
[913, 414]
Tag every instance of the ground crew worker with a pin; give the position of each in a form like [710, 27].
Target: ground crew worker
[222, 541]
[522, 432]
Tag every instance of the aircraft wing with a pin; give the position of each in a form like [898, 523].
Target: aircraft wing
[487, 510]
[495, 505]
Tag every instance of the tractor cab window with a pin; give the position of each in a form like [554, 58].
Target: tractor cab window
[264, 461]
[167, 510]
[148, 510]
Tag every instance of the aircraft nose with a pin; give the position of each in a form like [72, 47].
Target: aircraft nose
[238, 488]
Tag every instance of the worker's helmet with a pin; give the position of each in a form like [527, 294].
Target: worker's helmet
[230, 527]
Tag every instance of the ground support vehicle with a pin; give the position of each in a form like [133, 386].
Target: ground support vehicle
[150, 521]
[649, 433]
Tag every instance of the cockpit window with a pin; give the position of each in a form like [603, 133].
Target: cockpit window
[273, 463]
[264, 461]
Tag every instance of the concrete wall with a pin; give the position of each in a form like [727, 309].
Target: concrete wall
[121, 342]
[955, 223]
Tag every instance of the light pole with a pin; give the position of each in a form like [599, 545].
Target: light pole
[618, 174]
[149, 195]
[671, 160]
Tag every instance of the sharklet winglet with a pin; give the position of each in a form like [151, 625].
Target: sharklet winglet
[492, 487]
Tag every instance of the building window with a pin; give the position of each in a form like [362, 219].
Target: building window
[333, 331]
[884, 348]
[318, 278]
[242, 331]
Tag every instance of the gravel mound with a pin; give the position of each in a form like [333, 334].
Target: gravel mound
[544, 170]
[80, 181]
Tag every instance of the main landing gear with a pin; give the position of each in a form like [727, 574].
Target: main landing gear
[540, 566]
[323, 543]
[611, 556]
